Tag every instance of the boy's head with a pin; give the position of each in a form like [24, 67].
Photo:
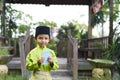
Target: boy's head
[42, 30]
[42, 35]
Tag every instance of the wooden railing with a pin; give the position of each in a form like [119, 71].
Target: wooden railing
[89, 47]
[95, 42]
[72, 54]
[93, 47]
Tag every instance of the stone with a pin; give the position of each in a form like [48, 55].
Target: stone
[101, 74]
[3, 70]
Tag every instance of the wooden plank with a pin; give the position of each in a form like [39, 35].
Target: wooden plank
[25, 46]
[22, 57]
[72, 54]
[26, 36]
[96, 52]
[75, 59]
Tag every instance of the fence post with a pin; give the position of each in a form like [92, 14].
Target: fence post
[22, 58]
[25, 47]
[75, 58]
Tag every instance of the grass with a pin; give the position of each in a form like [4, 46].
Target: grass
[11, 76]
[17, 76]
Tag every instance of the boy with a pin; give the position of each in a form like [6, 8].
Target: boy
[41, 60]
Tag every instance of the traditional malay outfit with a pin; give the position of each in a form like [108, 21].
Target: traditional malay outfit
[41, 71]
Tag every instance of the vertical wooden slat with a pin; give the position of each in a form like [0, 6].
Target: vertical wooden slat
[75, 58]
[25, 47]
[22, 58]
[89, 27]
[72, 54]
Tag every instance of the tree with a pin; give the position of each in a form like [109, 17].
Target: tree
[16, 22]
[107, 12]
[77, 30]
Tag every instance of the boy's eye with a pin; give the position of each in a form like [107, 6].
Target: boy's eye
[46, 38]
[40, 38]
[43, 38]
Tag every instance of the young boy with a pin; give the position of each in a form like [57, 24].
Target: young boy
[41, 60]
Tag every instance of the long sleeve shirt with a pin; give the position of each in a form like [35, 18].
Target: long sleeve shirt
[32, 60]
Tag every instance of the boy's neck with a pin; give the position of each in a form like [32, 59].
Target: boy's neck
[42, 47]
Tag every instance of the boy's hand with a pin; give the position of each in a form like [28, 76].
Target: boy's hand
[40, 60]
[50, 59]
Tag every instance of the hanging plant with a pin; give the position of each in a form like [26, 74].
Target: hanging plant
[97, 18]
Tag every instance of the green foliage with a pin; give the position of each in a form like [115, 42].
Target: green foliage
[97, 18]
[103, 15]
[3, 51]
[22, 28]
[48, 23]
[52, 45]
[113, 53]
[77, 30]
[16, 21]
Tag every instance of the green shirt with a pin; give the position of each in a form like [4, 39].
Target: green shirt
[32, 60]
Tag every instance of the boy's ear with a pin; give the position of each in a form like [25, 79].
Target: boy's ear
[50, 41]
[35, 38]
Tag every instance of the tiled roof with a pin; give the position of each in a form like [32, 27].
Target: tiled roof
[52, 2]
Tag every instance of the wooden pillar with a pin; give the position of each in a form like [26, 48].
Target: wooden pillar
[3, 18]
[89, 24]
[111, 22]
[75, 58]
[89, 30]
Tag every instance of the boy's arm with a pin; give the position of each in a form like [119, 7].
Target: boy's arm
[31, 62]
[54, 65]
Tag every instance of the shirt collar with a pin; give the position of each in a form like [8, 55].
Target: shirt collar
[41, 47]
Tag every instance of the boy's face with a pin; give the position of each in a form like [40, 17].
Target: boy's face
[42, 40]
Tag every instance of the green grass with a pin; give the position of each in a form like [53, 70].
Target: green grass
[11, 77]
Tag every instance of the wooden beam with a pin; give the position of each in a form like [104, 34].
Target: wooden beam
[111, 22]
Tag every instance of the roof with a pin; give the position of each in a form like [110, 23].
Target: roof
[51, 2]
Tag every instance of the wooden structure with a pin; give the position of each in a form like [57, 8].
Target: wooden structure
[78, 63]
[72, 54]
[95, 46]
[72, 44]
[52, 2]
[89, 3]
[59, 2]
[25, 45]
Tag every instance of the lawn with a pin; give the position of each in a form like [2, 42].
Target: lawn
[17, 76]
[11, 76]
